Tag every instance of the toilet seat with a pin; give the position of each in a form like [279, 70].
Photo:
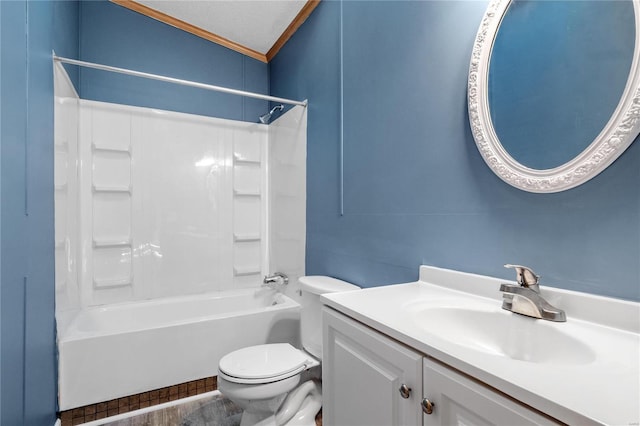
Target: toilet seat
[264, 363]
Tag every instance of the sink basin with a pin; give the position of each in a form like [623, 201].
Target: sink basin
[501, 333]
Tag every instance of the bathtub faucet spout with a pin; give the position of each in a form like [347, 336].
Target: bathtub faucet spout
[275, 281]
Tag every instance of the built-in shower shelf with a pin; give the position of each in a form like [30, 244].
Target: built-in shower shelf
[96, 147]
[246, 193]
[100, 188]
[240, 159]
[111, 243]
[61, 187]
[240, 271]
[245, 237]
[112, 282]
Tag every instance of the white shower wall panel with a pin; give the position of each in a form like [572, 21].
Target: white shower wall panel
[288, 195]
[162, 204]
[183, 198]
[111, 167]
[65, 191]
[111, 216]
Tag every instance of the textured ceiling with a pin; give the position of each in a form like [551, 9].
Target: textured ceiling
[255, 24]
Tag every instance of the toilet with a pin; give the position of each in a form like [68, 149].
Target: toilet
[277, 384]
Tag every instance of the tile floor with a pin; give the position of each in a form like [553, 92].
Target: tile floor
[134, 402]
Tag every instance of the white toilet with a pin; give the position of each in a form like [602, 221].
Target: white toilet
[274, 384]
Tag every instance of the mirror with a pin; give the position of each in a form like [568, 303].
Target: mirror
[554, 89]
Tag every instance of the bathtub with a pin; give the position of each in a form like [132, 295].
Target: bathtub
[123, 349]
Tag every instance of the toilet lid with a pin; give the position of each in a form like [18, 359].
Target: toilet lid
[263, 361]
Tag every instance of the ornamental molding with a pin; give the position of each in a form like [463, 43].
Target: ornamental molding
[618, 134]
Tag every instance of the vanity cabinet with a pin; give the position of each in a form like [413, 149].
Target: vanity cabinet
[370, 379]
[459, 400]
[362, 374]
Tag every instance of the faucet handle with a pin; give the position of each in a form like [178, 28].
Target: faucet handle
[525, 276]
[276, 280]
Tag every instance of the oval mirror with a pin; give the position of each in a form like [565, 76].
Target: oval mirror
[554, 90]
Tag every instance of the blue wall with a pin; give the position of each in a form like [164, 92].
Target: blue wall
[66, 27]
[27, 356]
[113, 35]
[416, 190]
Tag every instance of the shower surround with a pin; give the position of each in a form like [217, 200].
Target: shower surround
[157, 207]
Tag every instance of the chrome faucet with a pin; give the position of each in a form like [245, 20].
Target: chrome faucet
[275, 281]
[525, 298]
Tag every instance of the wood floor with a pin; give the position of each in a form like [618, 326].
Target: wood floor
[214, 411]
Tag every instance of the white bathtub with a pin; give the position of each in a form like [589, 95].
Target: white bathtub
[118, 350]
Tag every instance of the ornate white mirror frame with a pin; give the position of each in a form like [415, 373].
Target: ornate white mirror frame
[613, 140]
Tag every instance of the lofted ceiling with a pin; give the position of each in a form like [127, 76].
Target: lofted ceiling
[256, 28]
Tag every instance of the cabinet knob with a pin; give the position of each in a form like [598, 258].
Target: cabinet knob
[427, 406]
[405, 391]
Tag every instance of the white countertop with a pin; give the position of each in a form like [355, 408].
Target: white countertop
[602, 388]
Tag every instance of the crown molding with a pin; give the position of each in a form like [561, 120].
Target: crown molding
[292, 28]
[215, 38]
[192, 29]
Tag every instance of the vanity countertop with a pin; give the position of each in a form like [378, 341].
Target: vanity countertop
[585, 371]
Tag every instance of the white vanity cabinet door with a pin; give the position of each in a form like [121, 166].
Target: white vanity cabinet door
[458, 400]
[362, 372]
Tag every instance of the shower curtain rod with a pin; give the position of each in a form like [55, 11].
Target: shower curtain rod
[178, 81]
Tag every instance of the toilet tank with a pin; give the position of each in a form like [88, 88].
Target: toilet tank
[311, 313]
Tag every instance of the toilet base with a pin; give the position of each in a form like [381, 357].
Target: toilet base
[257, 419]
[306, 415]
[299, 408]
[301, 405]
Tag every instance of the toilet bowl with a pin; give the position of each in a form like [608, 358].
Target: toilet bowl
[259, 379]
[278, 384]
